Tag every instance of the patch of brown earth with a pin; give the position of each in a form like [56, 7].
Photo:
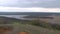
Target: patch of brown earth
[5, 29]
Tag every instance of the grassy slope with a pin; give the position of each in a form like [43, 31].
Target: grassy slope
[35, 29]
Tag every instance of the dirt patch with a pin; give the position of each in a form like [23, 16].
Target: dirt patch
[5, 29]
[23, 32]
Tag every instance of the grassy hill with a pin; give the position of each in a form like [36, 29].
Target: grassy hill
[30, 26]
[34, 29]
[31, 29]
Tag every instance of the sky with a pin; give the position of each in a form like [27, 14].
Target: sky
[30, 5]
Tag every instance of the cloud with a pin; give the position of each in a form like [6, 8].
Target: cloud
[46, 3]
[33, 9]
[31, 3]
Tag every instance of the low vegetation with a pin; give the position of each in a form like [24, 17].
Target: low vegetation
[45, 25]
[31, 22]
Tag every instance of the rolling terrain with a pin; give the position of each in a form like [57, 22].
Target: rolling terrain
[31, 29]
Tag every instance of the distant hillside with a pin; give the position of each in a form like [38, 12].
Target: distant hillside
[28, 13]
[38, 17]
[8, 20]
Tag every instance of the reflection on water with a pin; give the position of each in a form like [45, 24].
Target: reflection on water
[15, 16]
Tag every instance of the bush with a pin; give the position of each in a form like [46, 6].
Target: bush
[34, 22]
[57, 27]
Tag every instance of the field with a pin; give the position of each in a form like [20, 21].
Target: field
[32, 27]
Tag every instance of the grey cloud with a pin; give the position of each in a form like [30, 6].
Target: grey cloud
[32, 3]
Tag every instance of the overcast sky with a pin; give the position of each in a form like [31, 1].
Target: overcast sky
[30, 5]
